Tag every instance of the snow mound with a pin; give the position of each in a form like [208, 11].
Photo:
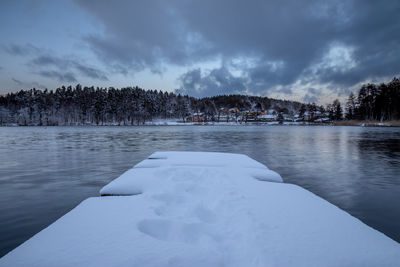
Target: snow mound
[206, 159]
[200, 215]
[164, 169]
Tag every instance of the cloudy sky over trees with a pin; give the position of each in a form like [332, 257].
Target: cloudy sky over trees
[311, 51]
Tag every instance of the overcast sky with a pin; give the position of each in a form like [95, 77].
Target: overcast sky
[311, 51]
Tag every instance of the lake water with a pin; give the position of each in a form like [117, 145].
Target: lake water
[46, 171]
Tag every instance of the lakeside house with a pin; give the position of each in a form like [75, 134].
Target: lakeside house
[269, 115]
[197, 117]
[228, 115]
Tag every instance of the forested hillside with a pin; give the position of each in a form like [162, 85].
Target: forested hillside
[135, 106]
[126, 106]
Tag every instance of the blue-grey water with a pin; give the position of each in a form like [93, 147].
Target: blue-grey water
[46, 171]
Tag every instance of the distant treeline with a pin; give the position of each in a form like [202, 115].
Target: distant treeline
[375, 102]
[126, 106]
[135, 106]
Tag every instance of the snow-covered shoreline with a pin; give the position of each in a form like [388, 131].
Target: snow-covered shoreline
[211, 123]
[205, 209]
[275, 123]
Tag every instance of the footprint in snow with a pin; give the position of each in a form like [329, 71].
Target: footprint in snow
[166, 230]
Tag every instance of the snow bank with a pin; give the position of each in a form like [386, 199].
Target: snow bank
[162, 169]
[206, 159]
[195, 214]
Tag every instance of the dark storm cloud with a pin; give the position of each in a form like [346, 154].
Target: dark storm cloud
[63, 63]
[312, 95]
[60, 76]
[216, 82]
[25, 85]
[310, 98]
[90, 72]
[288, 39]
[312, 91]
[18, 82]
[21, 50]
[52, 66]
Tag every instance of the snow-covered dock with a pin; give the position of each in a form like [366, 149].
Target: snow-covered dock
[205, 209]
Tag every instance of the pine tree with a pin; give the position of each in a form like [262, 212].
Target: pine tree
[350, 106]
[337, 110]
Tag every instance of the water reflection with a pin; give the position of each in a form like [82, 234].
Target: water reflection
[44, 172]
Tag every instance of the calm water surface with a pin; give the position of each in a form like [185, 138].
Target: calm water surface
[45, 172]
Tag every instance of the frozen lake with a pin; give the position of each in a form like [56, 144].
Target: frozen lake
[45, 172]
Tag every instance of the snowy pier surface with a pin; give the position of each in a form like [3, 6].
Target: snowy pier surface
[205, 209]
